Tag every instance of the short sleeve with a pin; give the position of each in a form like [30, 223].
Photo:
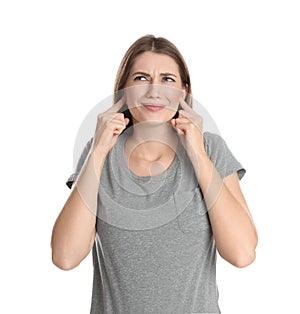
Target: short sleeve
[221, 156]
[80, 163]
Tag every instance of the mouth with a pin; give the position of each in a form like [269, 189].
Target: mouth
[153, 107]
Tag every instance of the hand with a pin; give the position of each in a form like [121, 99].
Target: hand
[189, 128]
[110, 124]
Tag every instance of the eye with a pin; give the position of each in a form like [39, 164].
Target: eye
[168, 79]
[140, 78]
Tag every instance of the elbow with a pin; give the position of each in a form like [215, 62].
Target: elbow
[63, 261]
[67, 257]
[243, 259]
[246, 254]
[241, 256]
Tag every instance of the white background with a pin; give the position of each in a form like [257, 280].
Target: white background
[59, 59]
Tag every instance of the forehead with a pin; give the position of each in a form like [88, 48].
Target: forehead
[149, 61]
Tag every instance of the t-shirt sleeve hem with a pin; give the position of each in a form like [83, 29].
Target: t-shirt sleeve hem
[71, 180]
[239, 170]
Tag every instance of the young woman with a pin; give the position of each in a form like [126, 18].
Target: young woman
[154, 196]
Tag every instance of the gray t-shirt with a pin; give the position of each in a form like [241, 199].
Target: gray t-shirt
[154, 251]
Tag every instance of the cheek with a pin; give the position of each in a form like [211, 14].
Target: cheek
[174, 97]
[134, 94]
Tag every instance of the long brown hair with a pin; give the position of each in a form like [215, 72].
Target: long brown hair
[154, 44]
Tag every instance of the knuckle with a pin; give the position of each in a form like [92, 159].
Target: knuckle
[100, 116]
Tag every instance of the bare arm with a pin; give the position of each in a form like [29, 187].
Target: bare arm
[232, 225]
[233, 228]
[74, 231]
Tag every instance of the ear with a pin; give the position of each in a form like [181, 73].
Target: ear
[184, 91]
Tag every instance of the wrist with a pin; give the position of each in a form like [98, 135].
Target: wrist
[96, 160]
[199, 156]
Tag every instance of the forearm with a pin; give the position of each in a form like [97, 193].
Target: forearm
[74, 230]
[231, 222]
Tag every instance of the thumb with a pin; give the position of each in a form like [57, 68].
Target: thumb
[117, 106]
[127, 121]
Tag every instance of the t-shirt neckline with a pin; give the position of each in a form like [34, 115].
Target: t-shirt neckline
[136, 177]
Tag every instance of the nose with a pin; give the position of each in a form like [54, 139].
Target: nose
[154, 91]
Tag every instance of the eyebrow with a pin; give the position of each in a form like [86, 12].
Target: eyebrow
[147, 74]
[168, 74]
[140, 73]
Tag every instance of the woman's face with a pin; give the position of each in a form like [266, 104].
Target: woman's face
[153, 88]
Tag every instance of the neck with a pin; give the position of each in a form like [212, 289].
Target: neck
[151, 140]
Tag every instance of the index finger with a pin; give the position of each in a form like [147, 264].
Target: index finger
[117, 106]
[185, 106]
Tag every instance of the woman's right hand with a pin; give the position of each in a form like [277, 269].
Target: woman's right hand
[110, 124]
[73, 234]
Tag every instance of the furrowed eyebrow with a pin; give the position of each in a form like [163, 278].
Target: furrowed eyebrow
[147, 74]
[140, 73]
[168, 74]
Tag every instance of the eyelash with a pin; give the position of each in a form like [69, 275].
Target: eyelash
[168, 78]
[165, 78]
[138, 78]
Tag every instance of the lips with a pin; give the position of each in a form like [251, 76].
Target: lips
[153, 107]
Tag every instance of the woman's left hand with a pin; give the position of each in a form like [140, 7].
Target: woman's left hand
[189, 128]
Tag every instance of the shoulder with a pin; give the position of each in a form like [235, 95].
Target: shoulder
[213, 142]
[210, 137]
[222, 157]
